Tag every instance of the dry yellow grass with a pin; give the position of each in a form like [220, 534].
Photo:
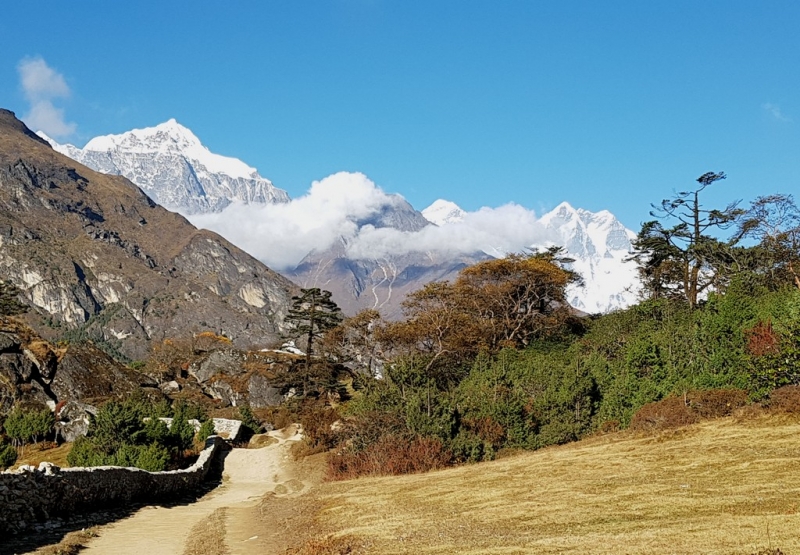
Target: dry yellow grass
[34, 454]
[719, 487]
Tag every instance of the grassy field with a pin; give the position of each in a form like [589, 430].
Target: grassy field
[720, 487]
[34, 454]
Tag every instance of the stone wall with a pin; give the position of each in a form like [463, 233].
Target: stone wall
[31, 495]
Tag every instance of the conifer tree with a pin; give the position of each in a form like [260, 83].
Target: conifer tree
[679, 261]
[311, 315]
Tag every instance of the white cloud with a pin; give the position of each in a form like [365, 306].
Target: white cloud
[41, 84]
[282, 234]
[775, 111]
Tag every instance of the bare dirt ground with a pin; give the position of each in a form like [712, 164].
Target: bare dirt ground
[229, 520]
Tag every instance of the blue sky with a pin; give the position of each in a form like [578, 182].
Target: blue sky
[607, 105]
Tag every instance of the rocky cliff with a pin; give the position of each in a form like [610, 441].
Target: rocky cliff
[96, 257]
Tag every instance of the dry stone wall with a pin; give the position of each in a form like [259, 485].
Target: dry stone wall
[30, 495]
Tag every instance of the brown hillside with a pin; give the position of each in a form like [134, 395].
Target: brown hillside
[91, 250]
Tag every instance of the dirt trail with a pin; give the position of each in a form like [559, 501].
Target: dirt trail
[249, 474]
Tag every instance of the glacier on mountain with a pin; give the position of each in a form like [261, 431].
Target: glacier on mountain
[171, 165]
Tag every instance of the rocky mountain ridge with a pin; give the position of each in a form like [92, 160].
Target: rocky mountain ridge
[199, 180]
[97, 258]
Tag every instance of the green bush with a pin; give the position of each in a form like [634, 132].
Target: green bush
[8, 455]
[85, 452]
[249, 421]
[129, 433]
[152, 457]
[206, 430]
[29, 426]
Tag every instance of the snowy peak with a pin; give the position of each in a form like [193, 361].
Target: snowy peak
[443, 212]
[600, 245]
[171, 165]
[171, 137]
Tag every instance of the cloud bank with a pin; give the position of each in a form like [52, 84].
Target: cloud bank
[41, 85]
[280, 235]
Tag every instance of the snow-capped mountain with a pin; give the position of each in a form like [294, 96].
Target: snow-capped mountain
[443, 212]
[171, 165]
[385, 254]
[597, 241]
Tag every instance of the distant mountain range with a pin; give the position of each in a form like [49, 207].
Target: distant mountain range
[171, 165]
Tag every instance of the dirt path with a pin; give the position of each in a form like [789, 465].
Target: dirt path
[222, 522]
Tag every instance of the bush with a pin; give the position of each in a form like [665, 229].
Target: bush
[152, 457]
[206, 430]
[390, 455]
[23, 426]
[85, 453]
[674, 412]
[249, 421]
[181, 434]
[715, 403]
[8, 455]
[317, 421]
[785, 399]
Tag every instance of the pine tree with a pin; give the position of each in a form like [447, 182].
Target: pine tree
[682, 261]
[312, 314]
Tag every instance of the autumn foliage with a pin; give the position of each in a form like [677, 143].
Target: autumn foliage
[499, 303]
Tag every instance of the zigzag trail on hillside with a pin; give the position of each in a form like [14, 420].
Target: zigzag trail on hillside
[249, 475]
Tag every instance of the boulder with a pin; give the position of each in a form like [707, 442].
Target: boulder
[228, 361]
[224, 392]
[72, 420]
[261, 393]
[9, 343]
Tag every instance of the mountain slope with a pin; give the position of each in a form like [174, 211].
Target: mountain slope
[93, 252]
[381, 282]
[172, 166]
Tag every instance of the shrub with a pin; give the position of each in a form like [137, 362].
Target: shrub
[181, 434]
[390, 455]
[206, 430]
[8, 455]
[23, 426]
[317, 421]
[156, 431]
[785, 399]
[674, 412]
[249, 421]
[715, 403]
[84, 452]
[152, 457]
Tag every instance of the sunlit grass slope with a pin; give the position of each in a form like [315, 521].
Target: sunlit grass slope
[724, 486]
